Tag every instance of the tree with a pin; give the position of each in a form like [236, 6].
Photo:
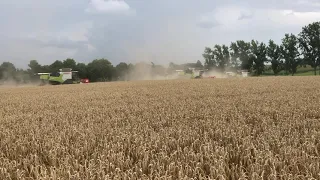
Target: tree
[240, 55]
[69, 63]
[46, 68]
[82, 70]
[290, 52]
[121, 71]
[100, 70]
[130, 68]
[7, 71]
[244, 51]
[274, 53]
[199, 64]
[226, 55]
[258, 57]
[309, 42]
[209, 60]
[34, 66]
[22, 76]
[55, 66]
[219, 58]
[234, 54]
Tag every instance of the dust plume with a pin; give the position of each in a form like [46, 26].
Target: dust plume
[144, 71]
[11, 84]
[17, 79]
[214, 73]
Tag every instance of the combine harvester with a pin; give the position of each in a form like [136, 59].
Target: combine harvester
[199, 74]
[192, 74]
[64, 76]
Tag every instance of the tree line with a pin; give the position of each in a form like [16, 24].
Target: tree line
[98, 70]
[302, 49]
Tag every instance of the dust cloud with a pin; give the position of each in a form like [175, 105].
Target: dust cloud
[7, 80]
[11, 84]
[146, 72]
[214, 73]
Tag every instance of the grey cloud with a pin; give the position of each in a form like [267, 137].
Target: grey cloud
[208, 24]
[161, 30]
[208, 20]
[109, 7]
[65, 44]
[245, 16]
[296, 5]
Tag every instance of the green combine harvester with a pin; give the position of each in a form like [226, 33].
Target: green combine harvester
[192, 74]
[64, 76]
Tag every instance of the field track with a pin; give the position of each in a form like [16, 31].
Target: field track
[250, 128]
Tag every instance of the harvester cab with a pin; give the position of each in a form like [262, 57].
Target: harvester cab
[63, 76]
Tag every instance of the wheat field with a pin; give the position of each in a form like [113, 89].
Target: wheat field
[248, 128]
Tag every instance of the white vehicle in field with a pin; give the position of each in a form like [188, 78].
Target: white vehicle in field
[230, 74]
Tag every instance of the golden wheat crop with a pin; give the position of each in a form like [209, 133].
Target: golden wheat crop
[251, 128]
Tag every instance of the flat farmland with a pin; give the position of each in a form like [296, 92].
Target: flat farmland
[247, 128]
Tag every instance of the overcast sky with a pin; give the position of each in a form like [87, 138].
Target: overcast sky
[141, 30]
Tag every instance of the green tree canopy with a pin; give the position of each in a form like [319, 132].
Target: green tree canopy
[209, 60]
[7, 71]
[290, 52]
[258, 57]
[309, 39]
[34, 66]
[55, 66]
[274, 54]
[100, 70]
[122, 70]
[69, 63]
[82, 68]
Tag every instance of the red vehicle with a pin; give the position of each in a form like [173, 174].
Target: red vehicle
[86, 80]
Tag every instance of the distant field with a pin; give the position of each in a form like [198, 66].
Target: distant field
[301, 71]
[250, 128]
